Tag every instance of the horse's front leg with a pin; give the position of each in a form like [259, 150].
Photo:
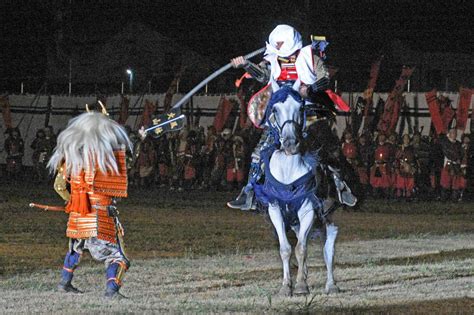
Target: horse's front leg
[285, 247]
[306, 218]
[328, 251]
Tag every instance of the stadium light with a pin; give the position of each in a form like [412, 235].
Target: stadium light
[130, 80]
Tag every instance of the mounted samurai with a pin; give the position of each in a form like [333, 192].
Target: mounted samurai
[288, 64]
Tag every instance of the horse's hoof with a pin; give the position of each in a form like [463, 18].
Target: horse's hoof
[285, 290]
[301, 288]
[331, 288]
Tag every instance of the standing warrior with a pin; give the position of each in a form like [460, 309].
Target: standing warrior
[406, 168]
[15, 149]
[451, 173]
[90, 156]
[381, 171]
[288, 63]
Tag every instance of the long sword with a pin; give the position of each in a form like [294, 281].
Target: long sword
[197, 88]
[212, 77]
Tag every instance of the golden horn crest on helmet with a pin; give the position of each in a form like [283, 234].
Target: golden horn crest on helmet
[104, 110]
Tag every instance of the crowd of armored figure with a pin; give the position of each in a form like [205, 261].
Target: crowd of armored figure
[409, 167]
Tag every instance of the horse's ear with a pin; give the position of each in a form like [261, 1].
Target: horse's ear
[296, 85]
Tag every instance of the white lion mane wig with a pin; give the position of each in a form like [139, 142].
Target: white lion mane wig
[89, 141]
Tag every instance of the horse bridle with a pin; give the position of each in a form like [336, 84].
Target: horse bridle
[273, 121]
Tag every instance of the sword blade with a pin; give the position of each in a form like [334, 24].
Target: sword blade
[212, 77]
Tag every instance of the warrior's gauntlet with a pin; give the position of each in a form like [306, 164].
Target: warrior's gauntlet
[320, 85]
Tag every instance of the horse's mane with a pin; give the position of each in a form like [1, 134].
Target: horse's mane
[279, 97]
[89, 140]
[282, 94]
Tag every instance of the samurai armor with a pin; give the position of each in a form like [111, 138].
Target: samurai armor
[110, 184]
[91, 194]
[380, 176]
[452, 177]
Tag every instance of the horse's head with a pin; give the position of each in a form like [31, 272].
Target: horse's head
[285, 117]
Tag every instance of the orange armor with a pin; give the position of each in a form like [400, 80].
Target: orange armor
[91, 194]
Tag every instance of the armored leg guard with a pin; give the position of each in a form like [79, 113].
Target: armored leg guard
[70, 264]
[246, 199]
[115, 273]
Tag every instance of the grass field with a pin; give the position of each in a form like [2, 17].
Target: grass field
[191, 254]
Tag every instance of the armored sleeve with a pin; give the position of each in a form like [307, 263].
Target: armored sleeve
[322, 75]
[259, 72]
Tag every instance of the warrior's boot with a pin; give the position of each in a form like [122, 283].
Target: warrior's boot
[115, 273]
[245, 200]
[344, 193]
[67, 287]
[70, 264]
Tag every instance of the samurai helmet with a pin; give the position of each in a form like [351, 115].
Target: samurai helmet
[284, 41]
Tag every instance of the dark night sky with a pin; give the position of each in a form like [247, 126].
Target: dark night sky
[358, 30]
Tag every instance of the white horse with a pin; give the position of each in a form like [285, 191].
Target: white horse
[290, 186]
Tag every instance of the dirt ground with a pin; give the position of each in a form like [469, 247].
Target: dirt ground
[191, 254]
